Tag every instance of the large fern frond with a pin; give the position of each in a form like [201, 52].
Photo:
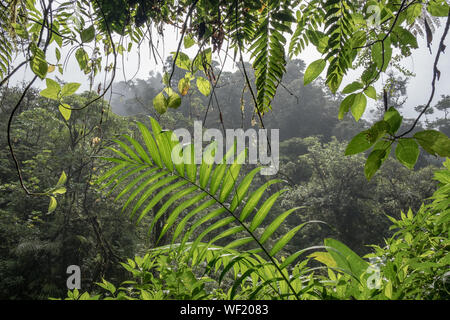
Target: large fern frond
[195, 203]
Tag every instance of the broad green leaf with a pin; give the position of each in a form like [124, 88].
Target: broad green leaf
[183, 86]
[359, 106]
[406, 37]
[413, 11]
[65, 110]
[334, 81]
[345, 105]
[394, 119]
[20, 30]
[352, 87]
[52, 90]
[70, 88]
[438, 8]
[60, 190]
[52, 205]
[160, 103]
[173, 100]
[371, 92]
[183, 61]
[345, 258]
[313, 71]
[379, 56]
[188, 42]
[388, 290]
[164, 144]
[434, 142]
[239, 242]
[82, 58]
[203, 60]
[324, 257]
[377, 130]
[383, 145]
[373, 163]
[87, 35]
[62, 179]
[57, 54]
[407, 152]
[39, 66]
[358, 144]
[203, 86]
[207, 163]
[369, 74]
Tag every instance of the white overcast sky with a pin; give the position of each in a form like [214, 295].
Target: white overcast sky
[419, 88]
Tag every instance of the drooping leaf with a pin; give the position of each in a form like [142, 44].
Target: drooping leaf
[65, 110]
[52, 205]
[394, 119]
[359, 106]
[313, 71]
[39, 66]
[70, 88]
[183, 86]
[345, 105]
[407, 152]
[203, 86]
[183, 61]
[434, 142]
[160, 103]
[373, 162]
[87, 35]
[82, 58]
[371, 92]
[188, 42]
[346, 258]
[52, 91]
[358, 144]
[62, 179]
[173, 100]
[352, 87]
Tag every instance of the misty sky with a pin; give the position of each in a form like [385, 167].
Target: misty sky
[419, 88]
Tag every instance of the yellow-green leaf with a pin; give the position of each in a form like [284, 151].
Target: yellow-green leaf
[65, 111]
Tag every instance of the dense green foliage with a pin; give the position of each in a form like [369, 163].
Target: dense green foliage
[70, 167]
[406, 267]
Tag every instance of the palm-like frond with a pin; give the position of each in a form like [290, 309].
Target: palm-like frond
[196, 202]
[268, 53]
